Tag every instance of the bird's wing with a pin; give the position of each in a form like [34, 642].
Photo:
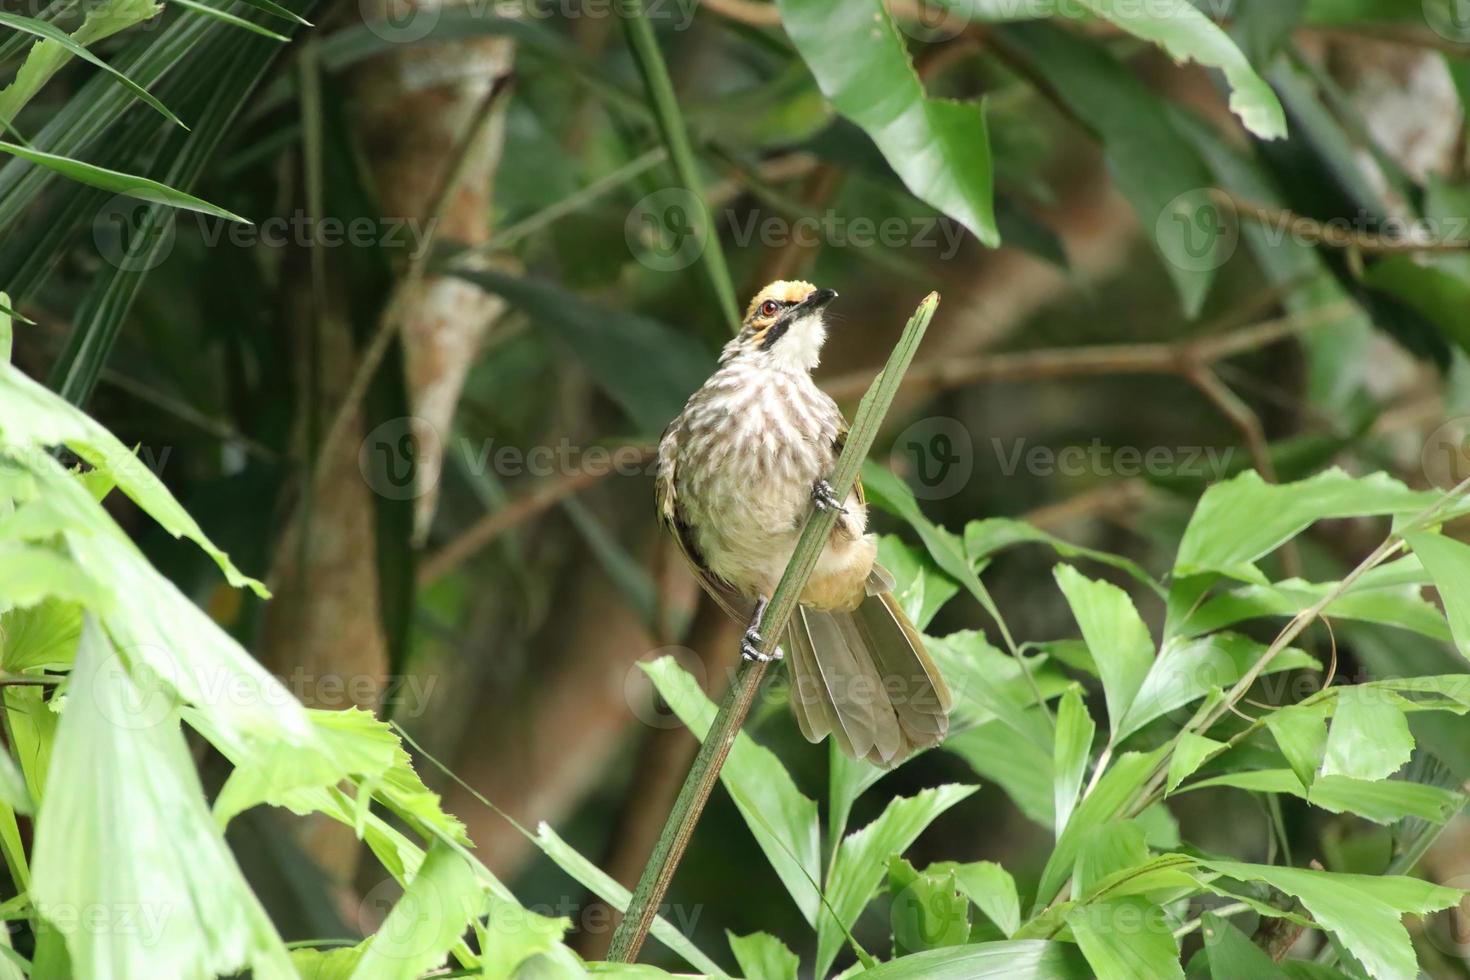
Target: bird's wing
[667, 502]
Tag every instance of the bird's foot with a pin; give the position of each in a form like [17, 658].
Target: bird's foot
[750, 648]
[825, 497]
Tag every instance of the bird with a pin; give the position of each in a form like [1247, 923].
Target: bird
[737, 474]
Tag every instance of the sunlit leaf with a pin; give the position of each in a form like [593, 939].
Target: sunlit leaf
[1190, 753]
[1369, 738]
[1074, 733]
[1126, 938]
[1013, 960]
[1116, 637]
[763, 957]
[441, 899]
[1448, 561]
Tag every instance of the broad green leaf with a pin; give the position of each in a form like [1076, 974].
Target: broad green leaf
[847, 778]
[939, 149]
[29, 574]
[33, 724]
[1019, 766]
[1384, 801]
[1301, 735]
[129, 829]
[42, 637]
[1362, 911]
[857, 868]
[645, 366]
[782, 820]
[129, 185]
[1116, 637]
[1232, 954]
[984, 539]
[1448, 561]
[1126, 938]
[49, 31]
[763, 957]
[988, 684]
[927, 910]
[327, 964]
[1119, 787]
[226, 17]
[1369, 738]
[1156, 170]
[436, 908]
[1244, 519]
[515, 935]
[1030, 959]
[1403, 606]
[597, 881]
[33, 419]
[1191, 752]
[1106, 850]
[1187, 671]
[13, 791]
[1188, 35]
[1069, 759]
[922, 589]
[990, 887]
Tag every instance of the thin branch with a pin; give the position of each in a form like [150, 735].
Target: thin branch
[1303, 228]
[659, 872]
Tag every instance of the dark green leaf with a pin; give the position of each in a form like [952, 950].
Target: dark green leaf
[1016, 960]
[119, 183]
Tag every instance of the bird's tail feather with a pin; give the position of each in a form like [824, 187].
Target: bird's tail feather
[864, 677]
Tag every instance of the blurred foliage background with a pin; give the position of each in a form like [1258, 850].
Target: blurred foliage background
[482, 229]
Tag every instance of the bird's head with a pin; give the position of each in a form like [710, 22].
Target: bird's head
[784, 326]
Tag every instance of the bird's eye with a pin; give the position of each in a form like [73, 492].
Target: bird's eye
[769, 307]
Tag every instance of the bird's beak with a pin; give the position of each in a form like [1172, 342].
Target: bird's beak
[818, 299]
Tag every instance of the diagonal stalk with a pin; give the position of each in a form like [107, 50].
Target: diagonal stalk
[693, 795]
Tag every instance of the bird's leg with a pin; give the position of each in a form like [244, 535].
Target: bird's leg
[826, 498]
[750, 645]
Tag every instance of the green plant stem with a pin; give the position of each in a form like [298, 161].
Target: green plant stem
[681, 152]
[679, 827]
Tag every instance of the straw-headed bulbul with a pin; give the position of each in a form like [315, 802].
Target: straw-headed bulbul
[738, 471]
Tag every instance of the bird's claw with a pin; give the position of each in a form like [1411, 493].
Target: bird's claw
[750, 648]
[825, 497]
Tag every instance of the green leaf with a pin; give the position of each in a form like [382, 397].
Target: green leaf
[1069, 760]
[1362, 911]
[132, 832]
[927, 910]
[1155, 169]
[983, 539]
[1448, 562]
[1112, 794]
[1018, 766]
[228, 18]
[119, 183]
[40, 638]
[857, 867]
[34, 419]
[1126, 938]
[1191, 752]
[990, 887]
[939, 149]
[1116, 636]
[327, 964]
[438, 905]
[922, 589]
[49, 31]
[7, 332]
[1383, 801]
[1187, 671]
[1301, 735]
[1030, 959]
[1232, 954]
[645, 366]
[1106, 850]
[1188, 35]
[1402, 606]
[1244, 519]
[763, 957]
[595, 880]
[13, 791]
[1369, 738]
[782, 820]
